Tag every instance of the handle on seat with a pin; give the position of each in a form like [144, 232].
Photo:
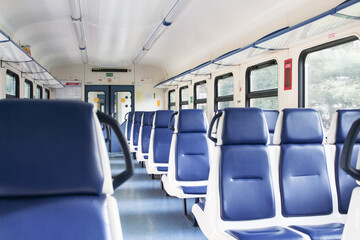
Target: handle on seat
[150, 123]
[345, 161]
[218, 115]
[129, 170]
[171, 118]
[126, 115]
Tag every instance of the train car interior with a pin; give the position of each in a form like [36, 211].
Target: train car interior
[179, 119]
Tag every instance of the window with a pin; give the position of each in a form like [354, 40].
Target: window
[329, 77]
[262, 85]
[184, 97]
[12, 85]
[172, 100]
[28, 89]
[47, 94]
[39, 92]
[224, 91]
[200, 95]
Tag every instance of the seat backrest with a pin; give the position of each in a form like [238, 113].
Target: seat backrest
[339, 128]
[191, 147]
[136, 127]
[54, 171]
[162, 136]
[129, 125]
[304, 181]
[244, 168]
[146, 125]
[271, 118]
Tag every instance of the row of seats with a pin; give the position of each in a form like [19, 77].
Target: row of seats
[55, 178]
[293, 189]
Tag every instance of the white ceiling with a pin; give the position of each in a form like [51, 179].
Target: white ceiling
[116, 29]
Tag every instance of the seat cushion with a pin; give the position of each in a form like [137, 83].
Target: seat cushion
[162, 142]
[56, 218]
[194, 190]
[145, 138]
[331, 231]
[270, 233]
[192, 157]
[191, 121]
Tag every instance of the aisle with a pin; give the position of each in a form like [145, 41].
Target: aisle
[147, 213]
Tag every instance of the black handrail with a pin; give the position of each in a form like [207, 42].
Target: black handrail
[129, 168]
[171, 118]
[218, 115]
[345, 161]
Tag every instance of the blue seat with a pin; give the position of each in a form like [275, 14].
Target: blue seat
[189, 156]
[304, 181]
[55, 181]
[160, 143]
[241, 187]
[271, 118]
[129, 123]
[134, 138]
[144, 136]
[340, 126]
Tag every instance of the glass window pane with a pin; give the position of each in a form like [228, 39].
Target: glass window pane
[264, 78]
[122, 105]
[201, 91]
[38, 92]
[185, 106]
[172, 96]
[10, 85]
[202, 106]
[332, 79]
[225, 86]
[28, 89]
[184, 94]
[267, 103]
[172, 108]
[222, 105]
[47, 94]
[97, 99]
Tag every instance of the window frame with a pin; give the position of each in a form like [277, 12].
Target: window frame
[48, 93]
[218, 98]
[17, 85]
[27, 81]
[181, 102]
[200, 100]
[41, 92]
[302, 59]
[171, 104]
[274, 92]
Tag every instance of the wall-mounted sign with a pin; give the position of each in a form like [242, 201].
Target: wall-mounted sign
[109, 74]
[288, 74]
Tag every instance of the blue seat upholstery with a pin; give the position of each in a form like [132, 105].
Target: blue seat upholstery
[146, 131]
[271, 118]
[191, 147]
[244, 166]
[270, 233]
[51, 172]
[304, 181]
[162, 136]
[136, 128]
[129, 125]
[344, 182]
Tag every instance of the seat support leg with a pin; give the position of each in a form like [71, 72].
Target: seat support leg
[190, 216]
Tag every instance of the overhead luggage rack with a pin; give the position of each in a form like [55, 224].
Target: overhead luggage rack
[15, 56]
[344, 15]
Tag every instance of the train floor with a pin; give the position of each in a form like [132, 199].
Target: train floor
[145, 210]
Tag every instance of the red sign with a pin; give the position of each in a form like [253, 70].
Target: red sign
[288, 74]
[72, 84]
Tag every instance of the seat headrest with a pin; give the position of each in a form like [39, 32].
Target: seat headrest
[49, 148]
[191, 120]
[131, 116]
[242, 126]
[162, 118]
[340, 125]
[148, 118]
[137, 117]
[299, 125]
[271, 118]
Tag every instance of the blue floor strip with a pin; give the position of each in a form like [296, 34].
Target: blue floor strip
[147, 213]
